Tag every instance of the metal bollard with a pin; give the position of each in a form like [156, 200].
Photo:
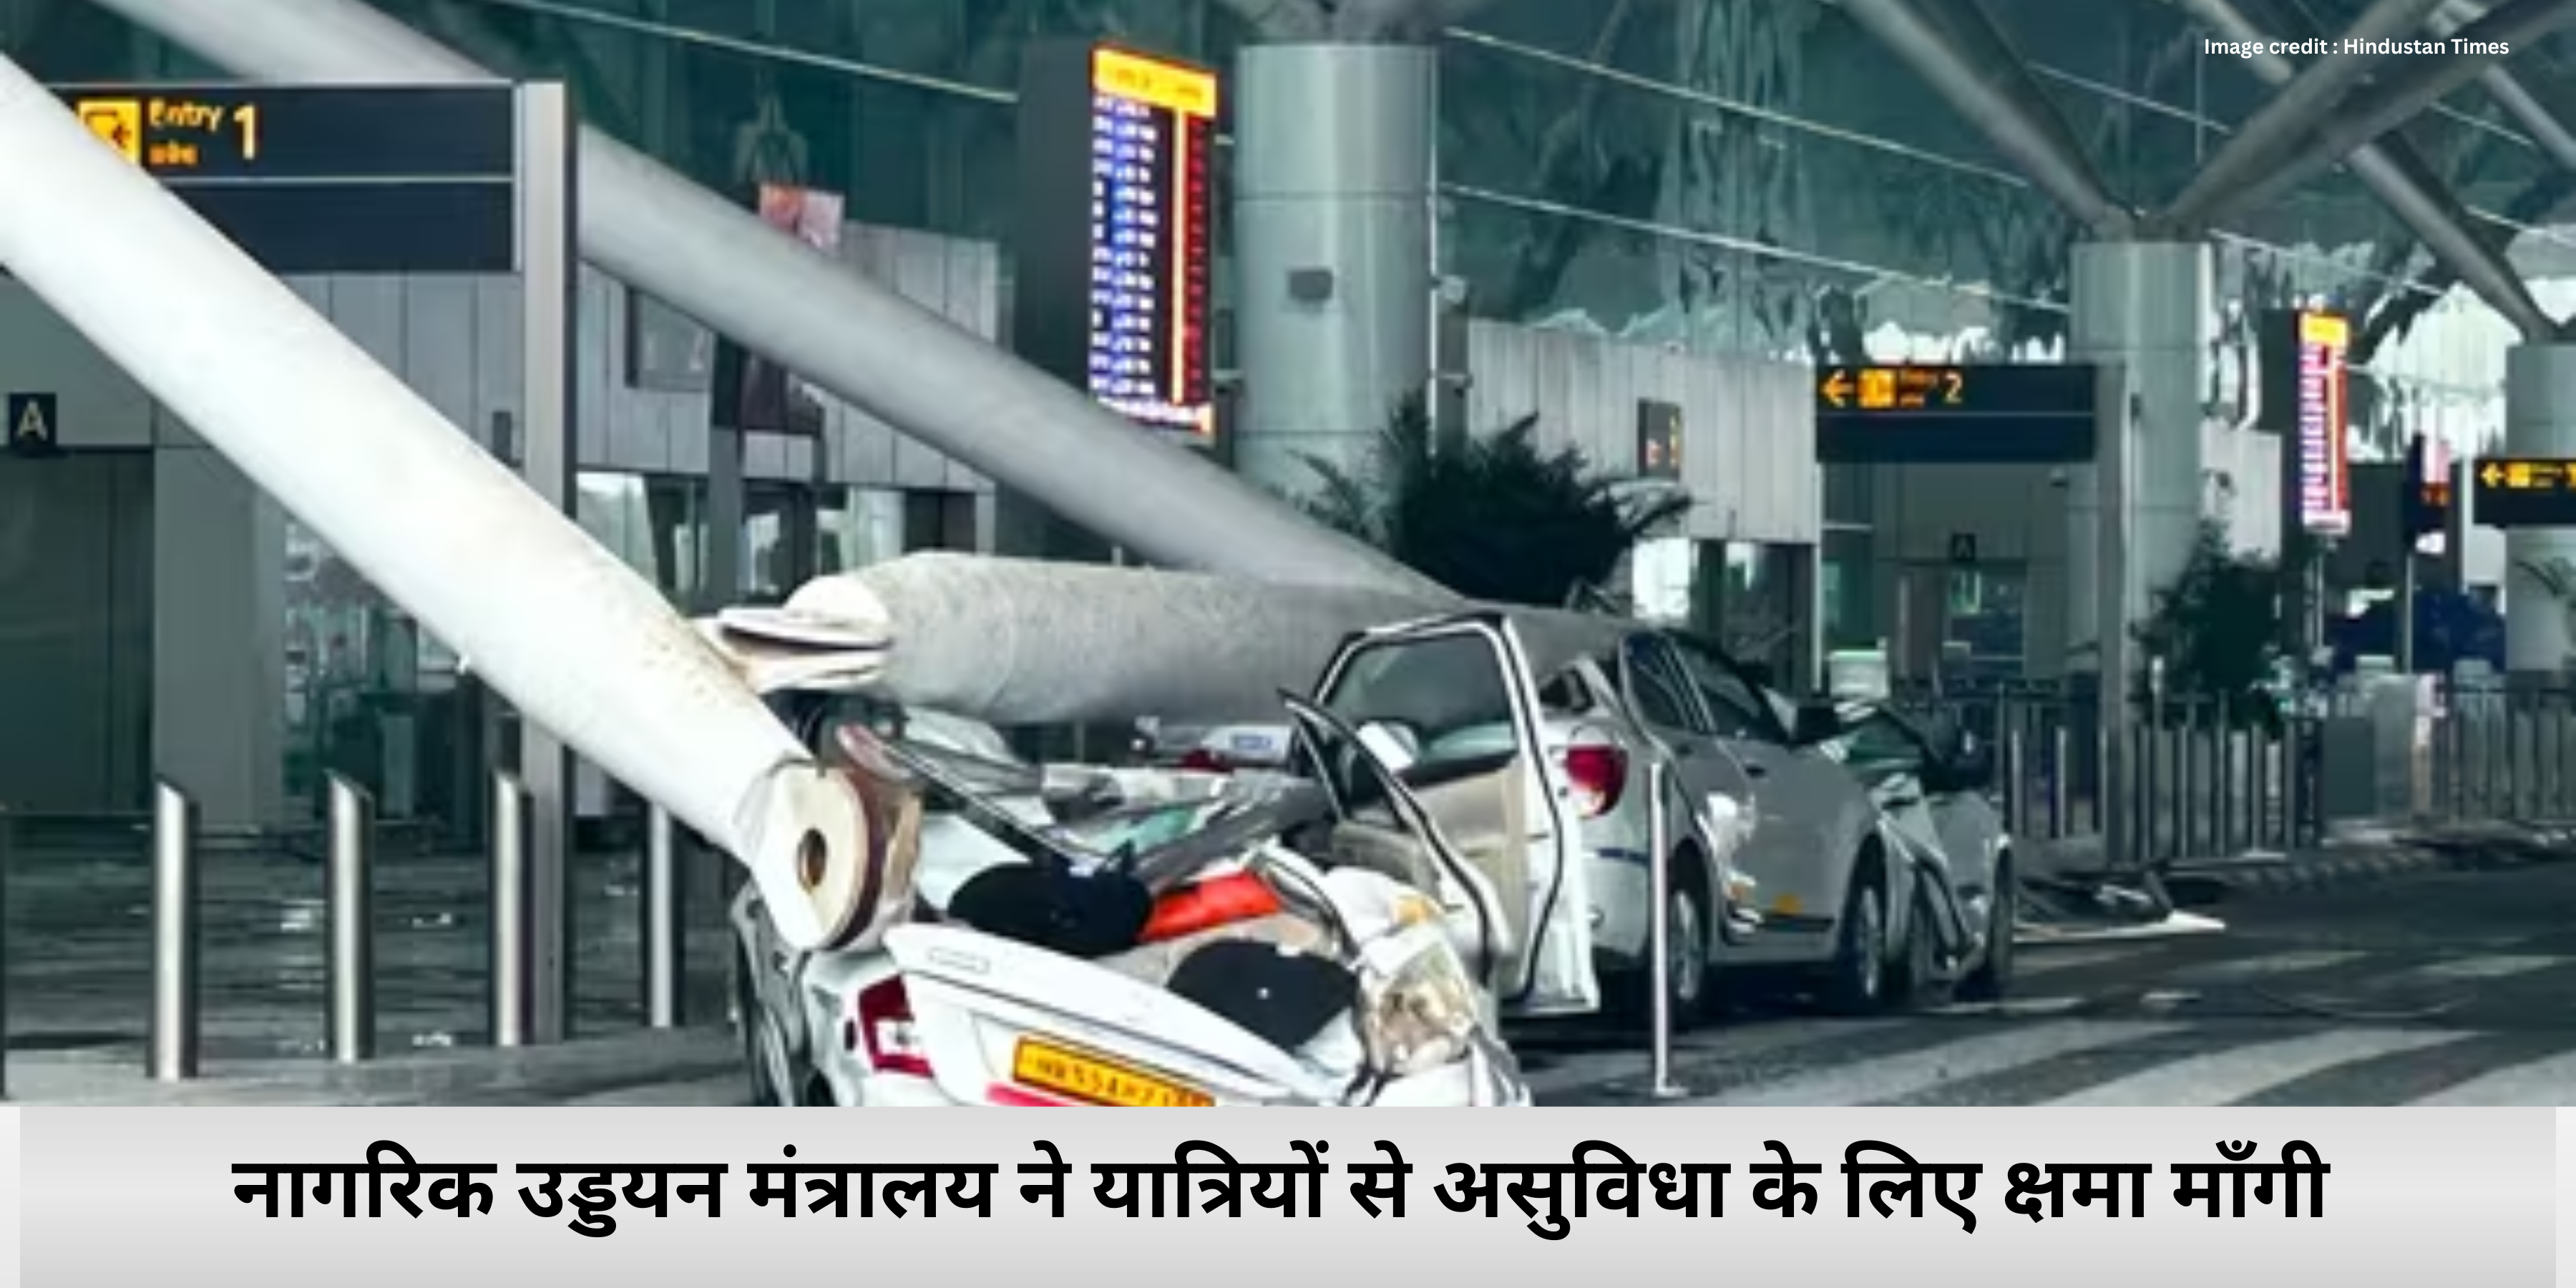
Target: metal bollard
[510, 926]
[173, 1055]
[2222, 765]
[8, 838]
[349, 889]
[1659, 930]
[664, 931]
[2061, 766]
[2016, 792]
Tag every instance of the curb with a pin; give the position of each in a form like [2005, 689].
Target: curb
[2332, 869]
[582, 1067]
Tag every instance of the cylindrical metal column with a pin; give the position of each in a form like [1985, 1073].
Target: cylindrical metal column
[2540, 563]
[2140, 305]
[350, 884]
[173, 1053]
[1659, 932]
[511, 995]
[664, 932]
[1332, 243]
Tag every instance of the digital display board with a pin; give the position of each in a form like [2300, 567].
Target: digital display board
[2322, 412]
[1954, 414]
[329, 179]
[1115, 255]
[2524, 492]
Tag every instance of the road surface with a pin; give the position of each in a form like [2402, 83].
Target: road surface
[2439, 988]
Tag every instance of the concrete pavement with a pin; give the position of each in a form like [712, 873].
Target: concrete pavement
[2437, 987]
[2429, 985]
[78, 952]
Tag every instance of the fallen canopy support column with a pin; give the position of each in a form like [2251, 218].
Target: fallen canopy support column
[568, 634]
[880, 352]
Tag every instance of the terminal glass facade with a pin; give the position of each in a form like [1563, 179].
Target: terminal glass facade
[1747, 176]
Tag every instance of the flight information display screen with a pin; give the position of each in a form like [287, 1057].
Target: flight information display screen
[1153, 128]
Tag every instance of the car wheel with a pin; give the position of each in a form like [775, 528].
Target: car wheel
[1857, 982]
[764, 1049]
[1993, 977]
[1686, 949]
[1919, 983]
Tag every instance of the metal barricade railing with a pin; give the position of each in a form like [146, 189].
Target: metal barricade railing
[179, 843]
[2218, 776]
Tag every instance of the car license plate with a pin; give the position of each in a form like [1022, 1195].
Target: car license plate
[1099, 1080]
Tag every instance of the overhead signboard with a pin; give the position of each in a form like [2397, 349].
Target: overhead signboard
[2524, 492]
[1954, 414]
[1112, 288]
[2323, 409]
[330, 179]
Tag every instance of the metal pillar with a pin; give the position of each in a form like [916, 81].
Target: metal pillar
[549, 293]
[173, 1055]
[1659, 928]
[350, 896]
[1333, 253]
[665, 929]
[2117, 413]
[2304, 99]
[2139, 306]
[2012, 125]
[2399, 97]
[512, 999]
[885, 355]
[2410, 191]
[2539, 420]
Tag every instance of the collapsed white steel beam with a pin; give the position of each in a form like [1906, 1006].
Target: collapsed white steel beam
[878, 351]
[1017, 642]
[2410, 194]
[2272, 131]
[574, 639]
[2403, 95]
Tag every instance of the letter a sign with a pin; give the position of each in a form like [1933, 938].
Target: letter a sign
[34, 427]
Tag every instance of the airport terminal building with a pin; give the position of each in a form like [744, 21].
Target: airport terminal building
[1688, 205]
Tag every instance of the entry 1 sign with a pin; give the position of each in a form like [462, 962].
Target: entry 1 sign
[1955, 414]
[330, 178]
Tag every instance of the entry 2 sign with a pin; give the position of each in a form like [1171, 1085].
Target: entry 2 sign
[1955, 414]
[2525, 492]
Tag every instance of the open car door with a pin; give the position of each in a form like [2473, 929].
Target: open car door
[1450, 705]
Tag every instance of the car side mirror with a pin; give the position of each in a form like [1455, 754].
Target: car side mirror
[1817, 722]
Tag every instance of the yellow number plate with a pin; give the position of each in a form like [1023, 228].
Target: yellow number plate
[1098, 1080]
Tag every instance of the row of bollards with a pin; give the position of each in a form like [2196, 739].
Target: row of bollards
[349, 886]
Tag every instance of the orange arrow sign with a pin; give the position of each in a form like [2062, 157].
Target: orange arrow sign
[1837, 387]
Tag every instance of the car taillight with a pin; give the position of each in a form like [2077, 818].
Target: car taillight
[1204, 761]
[880, 1029]
[1598, 773]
